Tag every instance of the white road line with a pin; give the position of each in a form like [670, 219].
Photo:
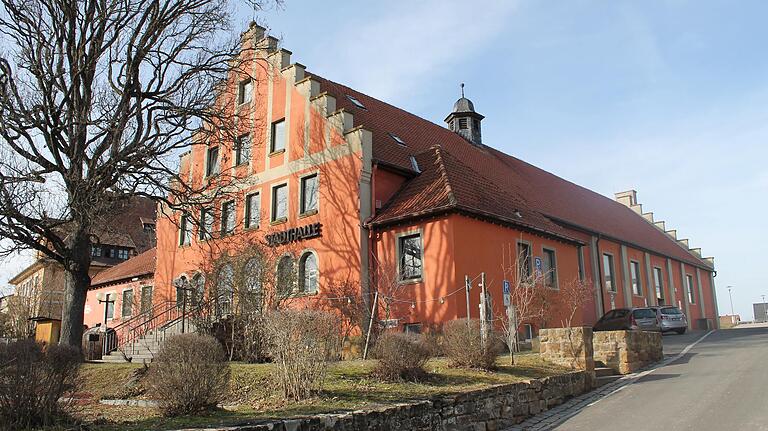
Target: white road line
[632, 378]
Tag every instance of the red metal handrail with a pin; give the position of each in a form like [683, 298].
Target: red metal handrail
[134, 328]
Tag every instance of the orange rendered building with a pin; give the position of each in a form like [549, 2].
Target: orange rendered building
[354, 189]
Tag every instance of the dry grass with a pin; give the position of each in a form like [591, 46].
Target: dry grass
[350, 385]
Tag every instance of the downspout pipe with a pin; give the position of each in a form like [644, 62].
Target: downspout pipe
[600, 274]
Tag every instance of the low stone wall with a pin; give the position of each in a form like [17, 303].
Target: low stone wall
[569, 347]
[627, 351]
[487, 409]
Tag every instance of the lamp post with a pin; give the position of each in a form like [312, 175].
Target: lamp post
[731, 298]
[106, 303]
[183, 285]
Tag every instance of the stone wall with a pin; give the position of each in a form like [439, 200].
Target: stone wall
[569, 347]
[627, 351]
[487, 409]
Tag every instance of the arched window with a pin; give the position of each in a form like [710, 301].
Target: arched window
[285, 276]
[225, 290]
[252, 272]
[308, 273]
[197, 289]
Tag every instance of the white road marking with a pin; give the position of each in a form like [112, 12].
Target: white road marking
[631, 378]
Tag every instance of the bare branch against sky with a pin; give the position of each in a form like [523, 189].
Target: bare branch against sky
[98, 98]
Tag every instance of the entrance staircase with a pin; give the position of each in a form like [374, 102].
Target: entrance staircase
[144, 348]
[604, 375]
[140, 338]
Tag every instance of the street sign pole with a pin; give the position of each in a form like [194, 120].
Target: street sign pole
[467, 286]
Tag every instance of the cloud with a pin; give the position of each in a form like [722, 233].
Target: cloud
[393, 53]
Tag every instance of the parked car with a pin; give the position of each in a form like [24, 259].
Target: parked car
[672, 318]
[644, 319]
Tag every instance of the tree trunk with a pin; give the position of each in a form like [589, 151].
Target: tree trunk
[76, 282]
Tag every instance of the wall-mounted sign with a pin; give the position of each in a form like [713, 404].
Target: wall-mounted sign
[294, 234]
[539, 267]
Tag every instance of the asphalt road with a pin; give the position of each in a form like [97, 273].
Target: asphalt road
[720, 384]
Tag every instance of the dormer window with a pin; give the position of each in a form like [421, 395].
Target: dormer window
[357, 103]
[415, 164]
[397, 139]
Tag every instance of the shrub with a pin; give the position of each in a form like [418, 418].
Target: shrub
[401, 357]
[462, 345]
[33, 377]
[189, 374]
[301, 343]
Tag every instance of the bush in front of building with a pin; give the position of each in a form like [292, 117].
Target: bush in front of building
[301, 343]
[33, 379]
[462, 344]
[401, 357]
[190, 374]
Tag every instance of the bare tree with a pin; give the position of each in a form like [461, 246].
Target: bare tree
[527, 294]
[97, 100]
[572, 297]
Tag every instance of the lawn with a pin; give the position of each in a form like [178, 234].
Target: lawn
[253, 395]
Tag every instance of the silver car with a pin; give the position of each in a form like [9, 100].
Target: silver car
[671, 318]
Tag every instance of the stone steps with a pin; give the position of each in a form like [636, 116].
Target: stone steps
[604, 371]
[604, 380]
[145, 348]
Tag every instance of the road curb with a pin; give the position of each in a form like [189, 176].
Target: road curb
[559, 414]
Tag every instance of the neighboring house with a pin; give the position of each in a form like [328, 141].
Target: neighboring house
[129, 231]
[128, 284]
[350, 188]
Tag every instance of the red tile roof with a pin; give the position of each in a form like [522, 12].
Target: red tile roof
[526, 187]
[141, 265]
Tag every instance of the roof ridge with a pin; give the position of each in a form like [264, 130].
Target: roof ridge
[444, 173]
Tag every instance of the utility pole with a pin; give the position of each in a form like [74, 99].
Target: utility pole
[483, 311]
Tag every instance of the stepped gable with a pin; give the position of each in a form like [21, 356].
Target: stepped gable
[541, 192]
[143, 264]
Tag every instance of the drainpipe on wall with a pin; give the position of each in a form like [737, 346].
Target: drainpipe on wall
[601, 288]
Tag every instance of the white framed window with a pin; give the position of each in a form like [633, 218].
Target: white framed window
[309, 194]
[185, 230]
[278, 137]
[212, 162]
[126, 309]
[205, 230]
[608, 276]
[658, 282]
[96, 250]
[245, 91]
[252, 210]
[308, 272]
[227, 218]
[634, 272]
[410, 257]
[550, 268]
[110, 304]
[279, 203]
[524, 257]
[122, 253]
[691, 291]
[243, 149]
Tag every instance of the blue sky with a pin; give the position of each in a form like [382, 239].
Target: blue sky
[667, 97]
